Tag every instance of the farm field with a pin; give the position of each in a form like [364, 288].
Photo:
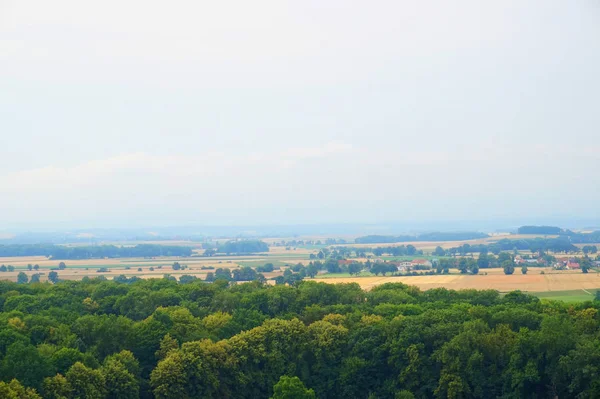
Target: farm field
[551, 282]
[567, 296]
[533, 282]
[77, 269]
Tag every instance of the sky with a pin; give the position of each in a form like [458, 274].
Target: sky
[143, 113]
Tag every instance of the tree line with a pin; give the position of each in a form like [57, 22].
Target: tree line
[555, 245]
[435, 236]
[576, 238]
[550, 230]
[93, 251]
[242, 247]
[159, 338]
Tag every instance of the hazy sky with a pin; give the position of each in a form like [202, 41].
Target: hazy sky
[117, 113]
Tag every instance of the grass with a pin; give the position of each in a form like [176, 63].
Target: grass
[566, 296]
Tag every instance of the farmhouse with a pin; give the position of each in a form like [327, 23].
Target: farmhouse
[403, 266]
[573, 265]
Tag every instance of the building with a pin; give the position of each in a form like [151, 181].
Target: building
[573, 265]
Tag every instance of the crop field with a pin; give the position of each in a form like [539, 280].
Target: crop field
[532, 282]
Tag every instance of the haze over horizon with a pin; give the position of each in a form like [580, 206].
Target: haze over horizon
[144, 113]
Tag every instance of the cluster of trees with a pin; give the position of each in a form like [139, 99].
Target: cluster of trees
[589, 249]
[93, 251]
[301, 243]
[435, 236]
[12, 250]
[340, 253]
[244, 273]
[583, 238]
[555, 245]
[576, 238]
[382, 268]
[243, 247]
[162, 339]
[399, 250]
[483, 261]
[549, 230]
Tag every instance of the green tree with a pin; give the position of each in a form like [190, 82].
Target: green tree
[62, 265]
[22, 278]
[187, 278]
[585, 263]
[14, 390]
[35, 278]
[439, 251]
[53, 277]
[463, 265]
[291, 388]
[119, 382]
[57, 387]
[312, 270]
[483, 261]
[167, 344]
[23, 361]
[86, 382]
[508, 266]
[354, 268]
[524, 269]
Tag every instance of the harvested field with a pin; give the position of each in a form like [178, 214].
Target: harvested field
[531, 282]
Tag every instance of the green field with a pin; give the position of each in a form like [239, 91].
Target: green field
[566, 296]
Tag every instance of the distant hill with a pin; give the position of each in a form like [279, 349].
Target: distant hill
[435, 236]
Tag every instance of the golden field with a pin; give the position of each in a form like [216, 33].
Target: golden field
[531, 282]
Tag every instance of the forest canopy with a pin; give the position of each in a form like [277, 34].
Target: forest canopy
[161, 338]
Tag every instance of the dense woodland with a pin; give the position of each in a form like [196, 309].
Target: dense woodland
[243, 247]
[164, 339]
